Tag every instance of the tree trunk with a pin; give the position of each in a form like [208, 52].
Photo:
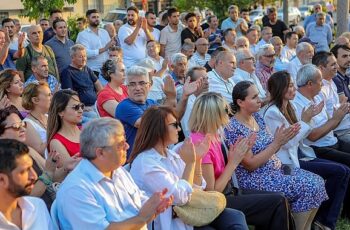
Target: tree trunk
[342, 16]
[285, 12]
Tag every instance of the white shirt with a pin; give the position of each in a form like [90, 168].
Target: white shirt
[153, 172]
[34, 215]
[93, 42]
[288, 53]
[330, 96]
[288, 153]
[171, 40]
[219, 85]
[293, 68]
[186, 117]
[40, 130]
[254, 48]
[261, 43]
[135, 52]
[89, 200]
[198, 60]
[241, 75]
[156, 34]
[301, 102]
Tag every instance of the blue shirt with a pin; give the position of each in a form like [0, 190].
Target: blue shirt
[322, 35]
[51, 81]
[128, 112]
[9, 64]
[343, 84]
[81, 81]
[312, 18]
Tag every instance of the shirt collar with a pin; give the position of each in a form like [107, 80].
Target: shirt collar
[341, 76]
[170, 154]
[91, 171]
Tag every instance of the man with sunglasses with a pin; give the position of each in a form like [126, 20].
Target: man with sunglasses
[264, 66]
[17, 178]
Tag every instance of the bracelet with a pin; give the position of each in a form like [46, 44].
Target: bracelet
[45, 178]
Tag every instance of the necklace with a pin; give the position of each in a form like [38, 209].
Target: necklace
[225, 83]
[40, 122]
[251, 124]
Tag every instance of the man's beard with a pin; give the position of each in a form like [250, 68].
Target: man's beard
[94, 24]
[19, 191]
[131, 22]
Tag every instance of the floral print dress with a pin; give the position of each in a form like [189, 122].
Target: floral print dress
[303, 189]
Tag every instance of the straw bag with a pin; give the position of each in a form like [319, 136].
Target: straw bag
[202, 209]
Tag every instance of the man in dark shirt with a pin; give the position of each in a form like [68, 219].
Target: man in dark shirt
[342, 80]
[49, 33]
[82, 79]
[193, 30]
[279, 28]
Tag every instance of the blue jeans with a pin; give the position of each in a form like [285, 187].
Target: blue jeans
[336, 177]
[229, 219]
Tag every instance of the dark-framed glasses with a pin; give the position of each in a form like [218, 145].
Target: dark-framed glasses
[78, 106]
[17, 126]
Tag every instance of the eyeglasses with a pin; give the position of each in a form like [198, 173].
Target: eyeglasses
[175, 124]
[249, 58]
[134, 84]
[120, 145]
[17, 126]
[269, 56]
[78, 106]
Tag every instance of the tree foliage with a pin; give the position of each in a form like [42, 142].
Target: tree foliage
[35, 9]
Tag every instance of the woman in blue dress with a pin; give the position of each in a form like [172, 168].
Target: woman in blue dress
[261, 169]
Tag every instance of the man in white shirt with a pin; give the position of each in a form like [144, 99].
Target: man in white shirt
[201, 56]
[170, 36]
[152, 22]
[304, 54]
[17, 176]
[246, 70]
[220, 77]
[289, 50]
[327, 64]
[253, 38]
[99, 193]
[195, 74]
[266, 35]
[133, 37]
[96, 41]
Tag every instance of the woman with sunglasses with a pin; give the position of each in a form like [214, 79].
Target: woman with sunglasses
[263, 210]
[12, 127]
[280, 111]
[65, 114]
[36, 98]
[11, 89]
[260, 169]
[115, 91]
[154, 166]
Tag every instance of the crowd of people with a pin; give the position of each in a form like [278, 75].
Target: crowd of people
[113, 130]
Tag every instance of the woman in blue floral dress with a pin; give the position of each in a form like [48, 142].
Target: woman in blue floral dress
[261, 169]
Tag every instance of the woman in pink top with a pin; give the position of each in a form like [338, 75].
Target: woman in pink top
[208, 117]
[115, 91]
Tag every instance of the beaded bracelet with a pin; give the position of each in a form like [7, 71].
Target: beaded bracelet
[45, 178]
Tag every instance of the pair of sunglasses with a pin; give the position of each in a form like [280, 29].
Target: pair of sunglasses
[78, 106]
[17, 126]
[175, 124]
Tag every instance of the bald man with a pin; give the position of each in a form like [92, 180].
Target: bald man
[201, 56]
[35, 49]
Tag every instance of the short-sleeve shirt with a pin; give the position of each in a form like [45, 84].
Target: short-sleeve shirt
[171, 40]
[278, 28]
[187, 33]
[213, 156]
[81, 81]
[128, 112]
[9, 64]
[137, 50]
[109, 94]
[24, 63]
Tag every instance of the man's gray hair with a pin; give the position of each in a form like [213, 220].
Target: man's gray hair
[98, 133]
[307, 73]
[177, 57]
[76, 48]
[35, 60]
[241, 54]
[262, 50]
[302, 46]
[136, 71]
[321, 14]
[188, 45]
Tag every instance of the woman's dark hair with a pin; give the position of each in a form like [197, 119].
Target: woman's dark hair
[153, 128]
[6, 78]
[58, 104]
[109, 67]
[239, 92]
[6, 112]
[277, 86]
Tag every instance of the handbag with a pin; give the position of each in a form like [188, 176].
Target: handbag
[202, 209]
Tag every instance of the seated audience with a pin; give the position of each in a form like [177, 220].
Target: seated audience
[188, 49]
[229, 41]
[264, 66]
[115, 91]
[100, 193]
[260, 169]
[201, 56]
[17, 209]
[154, 166]
[8, 55]
[11, 89]
[304, 54]
[160, 64]
[281, 63]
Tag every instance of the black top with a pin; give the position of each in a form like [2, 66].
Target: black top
[278, 28]
[186, 33]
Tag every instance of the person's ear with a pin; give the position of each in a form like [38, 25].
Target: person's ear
[4, 180]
